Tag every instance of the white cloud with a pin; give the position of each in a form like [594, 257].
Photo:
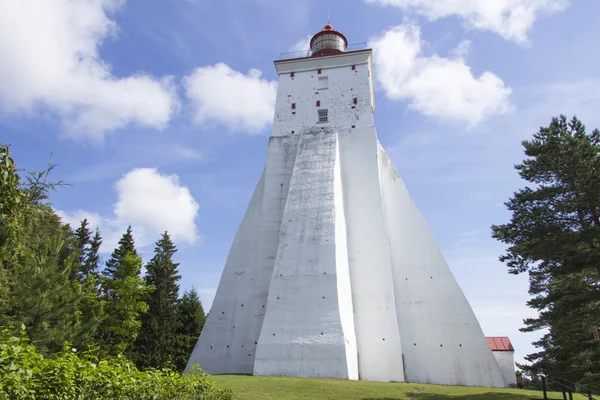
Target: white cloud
[51, 62]
[510, 19]
[152, 203]
[111, 230]
[222, 95]
[439, 87]
[157, 203]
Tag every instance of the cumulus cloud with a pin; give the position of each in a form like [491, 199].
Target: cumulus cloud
[149, 201]
[439, 87]
[157, 203]
[219, 94]
[510, 19]
[51, 62]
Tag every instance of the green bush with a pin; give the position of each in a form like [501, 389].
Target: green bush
[26, 374]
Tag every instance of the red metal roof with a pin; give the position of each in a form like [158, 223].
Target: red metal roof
[500, 343]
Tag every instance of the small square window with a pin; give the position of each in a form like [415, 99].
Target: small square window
[293, 106]
[291, 74]
[319, 71]
[318, 103]
[323, 116]
[355, 100]
[353, 67]
[323, 82]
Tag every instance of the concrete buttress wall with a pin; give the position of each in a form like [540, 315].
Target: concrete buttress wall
[442, 340]
[308, 327]
[378, 339]
[228, 341]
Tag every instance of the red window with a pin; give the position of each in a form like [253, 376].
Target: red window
[318, 103]
[319, 71]
[355, 100]
[293, 106]
[353, 67]
[291, 74]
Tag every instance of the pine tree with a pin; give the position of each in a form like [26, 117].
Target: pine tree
[44, 296]
[156, 342]
[191, 319]
[554, 236]
[126, 246]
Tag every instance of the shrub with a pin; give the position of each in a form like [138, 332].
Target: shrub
[26, 374]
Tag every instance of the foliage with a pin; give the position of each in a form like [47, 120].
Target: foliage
[48, 302]
[554, 236]
[11, 196]
[126, 246]
[50, 283]
[191, 319]
[157, 343]
[92, 256]
[125, 295]
[26, 374]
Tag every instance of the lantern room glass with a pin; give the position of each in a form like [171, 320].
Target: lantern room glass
[328, 41]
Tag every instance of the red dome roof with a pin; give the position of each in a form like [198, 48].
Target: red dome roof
[328, 28]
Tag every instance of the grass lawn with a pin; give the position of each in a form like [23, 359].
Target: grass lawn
[281, 388]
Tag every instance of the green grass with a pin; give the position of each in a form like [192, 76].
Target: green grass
[282, 388]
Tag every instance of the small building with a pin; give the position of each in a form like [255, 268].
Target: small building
[504, 352]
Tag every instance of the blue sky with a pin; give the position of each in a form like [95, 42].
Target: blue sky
[158, 113]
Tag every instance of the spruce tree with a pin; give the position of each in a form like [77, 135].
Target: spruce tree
[92, 256]
[156, 342]
[191, 319]
[83, 239]
[124, 292]
[125, 295]
[554, 236]
[126, 246]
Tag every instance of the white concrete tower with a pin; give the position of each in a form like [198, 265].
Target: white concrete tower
[333, 271]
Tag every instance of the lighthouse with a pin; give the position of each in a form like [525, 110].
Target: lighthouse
[333, 272]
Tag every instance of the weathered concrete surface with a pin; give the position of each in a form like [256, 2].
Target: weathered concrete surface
[506, 361]
[228, 341]
[303, 331]
[442, 340]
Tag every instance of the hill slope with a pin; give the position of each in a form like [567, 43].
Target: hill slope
[282, 388]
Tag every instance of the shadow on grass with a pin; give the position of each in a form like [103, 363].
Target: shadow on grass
[481, 396]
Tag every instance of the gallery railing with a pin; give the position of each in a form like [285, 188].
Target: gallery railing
[308, 53]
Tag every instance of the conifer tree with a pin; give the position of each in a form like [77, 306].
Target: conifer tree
[126, 246]
[44, 295]
[83, 239]
[92, 257]
[191, 319]
[156, 342]
[554, 236]
[125, 304]
[124, 292]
